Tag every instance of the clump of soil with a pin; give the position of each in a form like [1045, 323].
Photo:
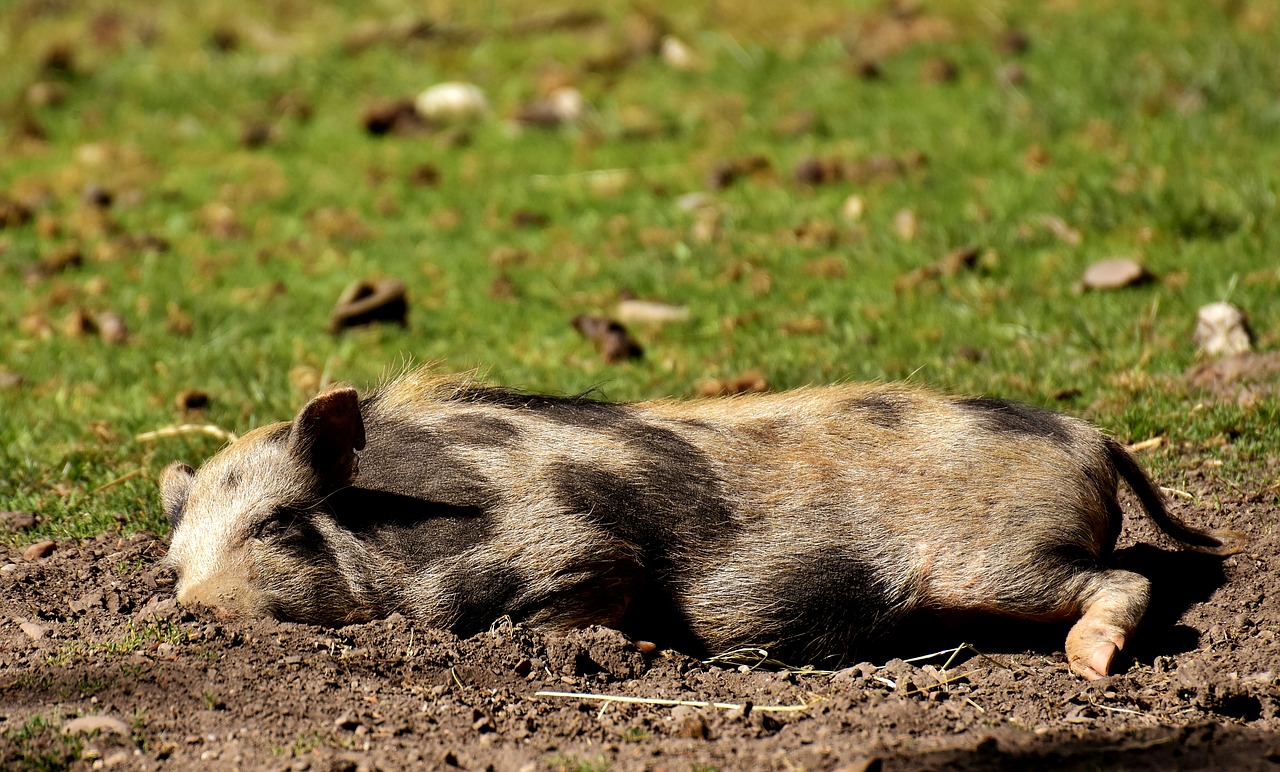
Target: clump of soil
[92, 629]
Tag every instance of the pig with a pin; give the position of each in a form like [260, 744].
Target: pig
[805, 522]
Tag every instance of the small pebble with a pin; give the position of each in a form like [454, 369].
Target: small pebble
[39, 550]
[33, 631]
[1114, 274]
[99, 723]
[1221, 330]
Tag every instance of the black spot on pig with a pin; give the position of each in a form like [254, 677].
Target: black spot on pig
[668, 498]
[431, 471]
[879, 409]
[578, 410]
[410, 530]
[480, 430]
[840, 601]
[481, 597]
[1002, 416]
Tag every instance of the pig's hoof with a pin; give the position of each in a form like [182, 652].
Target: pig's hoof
[1090, 650]
[1096, 664]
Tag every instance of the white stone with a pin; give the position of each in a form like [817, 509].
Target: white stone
[451, 103]
[1221, 330]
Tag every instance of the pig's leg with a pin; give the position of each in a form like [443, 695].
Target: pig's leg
[1112, 603]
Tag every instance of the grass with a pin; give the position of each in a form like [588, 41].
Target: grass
[1147, 127]
[39, 744]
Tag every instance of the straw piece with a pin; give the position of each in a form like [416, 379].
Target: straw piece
[181, 429]
[671, 703]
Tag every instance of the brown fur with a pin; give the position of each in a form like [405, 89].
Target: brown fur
[806, 522]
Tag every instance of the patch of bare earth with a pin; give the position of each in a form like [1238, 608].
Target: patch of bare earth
[92, 629]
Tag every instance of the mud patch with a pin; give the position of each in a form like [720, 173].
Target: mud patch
[92, 630]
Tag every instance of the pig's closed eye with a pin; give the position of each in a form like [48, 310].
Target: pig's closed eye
[279, 523]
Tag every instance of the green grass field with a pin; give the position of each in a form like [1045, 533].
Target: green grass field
[1149, 129]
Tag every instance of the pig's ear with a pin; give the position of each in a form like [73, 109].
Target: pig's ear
[327, 433]
[175, 484]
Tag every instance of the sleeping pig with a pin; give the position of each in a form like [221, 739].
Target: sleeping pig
[805, 522]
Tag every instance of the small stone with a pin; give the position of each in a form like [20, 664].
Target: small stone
[451, 103]
[33, 631]
[1222, 330]
[101, 723]
[91, 599]
[677, 54]
[687, 722]
[853, 208]
[905, 224]
[691, 202]
[39, 550]
[1114, 274]
[111, 328]
[10, 380]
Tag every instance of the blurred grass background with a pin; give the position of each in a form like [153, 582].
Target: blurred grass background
[211, 167]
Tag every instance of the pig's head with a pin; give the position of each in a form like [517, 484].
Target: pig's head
[250, 532]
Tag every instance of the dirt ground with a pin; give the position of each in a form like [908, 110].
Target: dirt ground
[92, 629]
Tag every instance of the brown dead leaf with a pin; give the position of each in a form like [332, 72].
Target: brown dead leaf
[955, 261]
[897, 28]
[726, 173]
[938, 69]
[818, 171]
[827, 267]
[369, 301]
[1013, 42]
[191, 400]
[610, 337]
[333, 222]
[503, 288]
[256, 134]
[750, 382]
[528, 218]
[424, 175]
[54, 261]
[176, 320]
[804, 325]
[398, 118]
[77, 324]
[505, 256]
[797, 123]
[445, 219]
[221, 220]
